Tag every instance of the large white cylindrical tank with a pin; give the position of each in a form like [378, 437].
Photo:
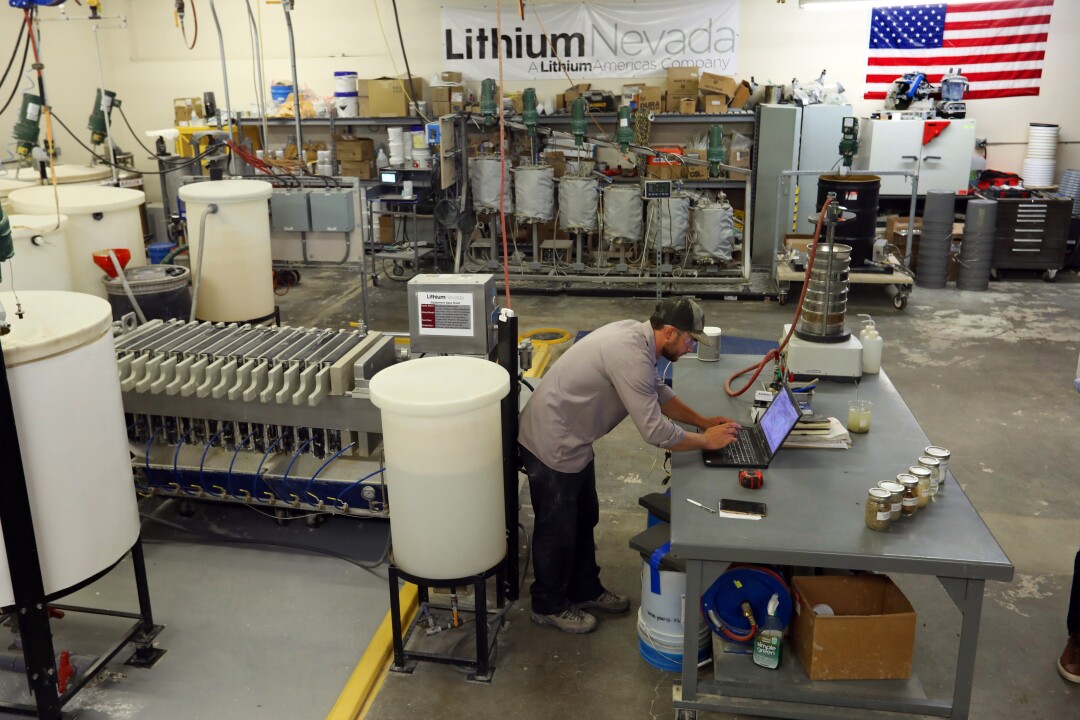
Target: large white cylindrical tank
[237, 278]
[61, 368]
[41, 254]
[671, 219]
[579, 201]
[534, 193]
[74, 174]
[622, 214]
[714, 232]
[486, 185]
[442, 436]
[99, 218]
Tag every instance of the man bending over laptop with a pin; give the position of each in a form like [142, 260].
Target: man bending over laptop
[609, 374]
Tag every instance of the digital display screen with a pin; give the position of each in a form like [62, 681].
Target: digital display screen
[778, 420]
[389, 178]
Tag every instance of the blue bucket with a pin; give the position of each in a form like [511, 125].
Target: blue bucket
[280, 93]
[158, 251]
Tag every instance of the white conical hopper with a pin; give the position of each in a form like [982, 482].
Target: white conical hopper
[237, 277]
[442, 435]
[65, 391]
[41, 255]
[99, 217]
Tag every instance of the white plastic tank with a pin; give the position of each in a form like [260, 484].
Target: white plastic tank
[579, 201]
[237, 279]
[622, 214]
[534, 193]
[74, 174]
[99, 217]
[442, 436]
[41, 255]
[486, 186]
[61, 368]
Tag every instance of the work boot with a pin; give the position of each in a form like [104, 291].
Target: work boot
[571, 620]
[1069, 664]
[608, 602]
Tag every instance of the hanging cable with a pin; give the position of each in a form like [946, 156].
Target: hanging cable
[405, 56]
[178, 17]
[14, 52]
[22, 69]
[502, 164]
[132, 131]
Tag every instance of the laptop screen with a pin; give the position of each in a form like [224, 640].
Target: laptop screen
[778, 420]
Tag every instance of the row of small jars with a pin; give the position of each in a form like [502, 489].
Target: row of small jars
[911, 490]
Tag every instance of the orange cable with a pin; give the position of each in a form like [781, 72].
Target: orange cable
[502, 162]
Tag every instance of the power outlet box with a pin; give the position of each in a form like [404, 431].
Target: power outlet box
[290, 211]
[332, 210]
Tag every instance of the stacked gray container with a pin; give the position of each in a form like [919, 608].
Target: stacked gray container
[977, 249]
[936, 239]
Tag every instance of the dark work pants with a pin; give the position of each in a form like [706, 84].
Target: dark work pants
[1074, 599]
[563, 550]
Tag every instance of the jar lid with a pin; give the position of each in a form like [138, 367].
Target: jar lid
[938, 452]
[891, 486]
[927, 460]
[919, 471]
[906, 479]
[880, 494]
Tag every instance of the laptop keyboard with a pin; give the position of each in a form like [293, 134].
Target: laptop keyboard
[742, 450]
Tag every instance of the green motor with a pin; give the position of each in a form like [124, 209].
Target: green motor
[716, 154]
[624, 134]
[96, 126]
[27, 128]
[529, 115]
[488, 105]
[577, 120]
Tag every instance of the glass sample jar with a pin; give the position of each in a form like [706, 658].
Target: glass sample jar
[942, 455]
[924, 483]
[858, 418]
[910, 503]
[896, 497]
[934, 466]
[878, 509]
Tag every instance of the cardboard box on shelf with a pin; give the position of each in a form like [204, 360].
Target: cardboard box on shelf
[557, 161]
[697, 172]
[741, 159]
[646, 97]
[560, 101]
[386, 229]
[870, 636]
[353, 148]
[682, 80]
[440, 93]
[362, 88]
[575, 91]
[688, 105]
[714, 104]
[673, 104]
[183, 109]
[742, 94]
[450, 76]
[387, 98]
[438, 109]
[362, 169]
[718, 84]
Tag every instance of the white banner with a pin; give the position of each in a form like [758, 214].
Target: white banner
[592, 40]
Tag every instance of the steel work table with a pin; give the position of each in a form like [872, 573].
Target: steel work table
[815, 519]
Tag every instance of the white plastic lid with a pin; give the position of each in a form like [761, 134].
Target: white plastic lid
[224, 192]
[24, 227]
[9, 185]
[75, 199]
[79, 173]
[437, 386]
[53, 322]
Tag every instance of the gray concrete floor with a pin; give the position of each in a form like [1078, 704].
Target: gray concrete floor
[256, 633]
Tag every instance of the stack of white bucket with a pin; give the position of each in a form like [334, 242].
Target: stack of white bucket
[661, 620]
[346, 98]
[421, 153]
[397, 146]
[1041, 161]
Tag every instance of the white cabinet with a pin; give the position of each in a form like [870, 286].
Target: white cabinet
[940, 150]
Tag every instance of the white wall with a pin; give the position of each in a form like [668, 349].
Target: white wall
[148, 65]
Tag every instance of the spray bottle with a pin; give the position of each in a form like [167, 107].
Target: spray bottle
[871, 346]
[769, 643]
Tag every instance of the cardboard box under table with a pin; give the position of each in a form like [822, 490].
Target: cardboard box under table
[870, 636]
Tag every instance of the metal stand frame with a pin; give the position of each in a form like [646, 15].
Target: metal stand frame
[31, 602]
[405, 661]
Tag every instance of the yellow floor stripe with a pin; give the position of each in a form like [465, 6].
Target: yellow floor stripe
[367, 678]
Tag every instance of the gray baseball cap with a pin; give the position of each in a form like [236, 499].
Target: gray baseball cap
[683, 314]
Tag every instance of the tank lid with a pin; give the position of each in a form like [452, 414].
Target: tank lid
[9, 185]
[53, 322]
[75, 199]
[226, 191]
[438, 386]
[79, 173]
[24, 227]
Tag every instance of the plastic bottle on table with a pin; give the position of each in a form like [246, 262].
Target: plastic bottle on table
[871, 342]
[769, 642]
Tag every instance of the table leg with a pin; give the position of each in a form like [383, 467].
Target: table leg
[969, 603]
[691, 629]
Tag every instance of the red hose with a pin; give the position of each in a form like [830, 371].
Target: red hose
[775, 353]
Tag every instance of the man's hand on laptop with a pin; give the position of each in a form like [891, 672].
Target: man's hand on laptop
[719, 420]
[719, 436]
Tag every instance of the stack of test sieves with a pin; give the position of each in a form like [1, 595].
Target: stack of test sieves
[936, 240]
[977, 249]
[1070, 187]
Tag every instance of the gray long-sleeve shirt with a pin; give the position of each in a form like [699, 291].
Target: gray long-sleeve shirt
[609, 374]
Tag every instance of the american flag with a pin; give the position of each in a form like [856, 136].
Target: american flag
[999, 45]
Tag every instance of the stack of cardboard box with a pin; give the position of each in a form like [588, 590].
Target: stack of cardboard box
[682, 90]
[387, 97]
[356, 157]
[447, 99]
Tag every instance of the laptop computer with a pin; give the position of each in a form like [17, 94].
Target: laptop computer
[755, 446]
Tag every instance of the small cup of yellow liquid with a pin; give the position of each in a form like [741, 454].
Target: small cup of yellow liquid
[858, 416]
